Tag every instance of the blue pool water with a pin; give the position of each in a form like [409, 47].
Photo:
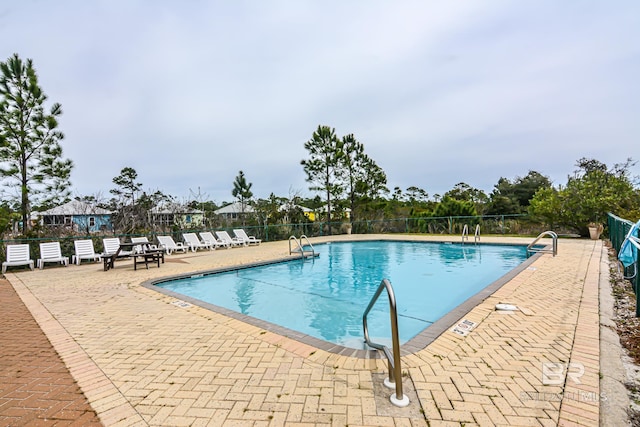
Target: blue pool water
[326, 297]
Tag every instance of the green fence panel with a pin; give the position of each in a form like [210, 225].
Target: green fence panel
[618, 230]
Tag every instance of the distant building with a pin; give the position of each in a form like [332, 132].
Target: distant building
[309, 213]
[344, 213]
[172, 214]
[77, 216]
[234, 210]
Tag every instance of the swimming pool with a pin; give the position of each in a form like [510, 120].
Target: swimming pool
[326, 297]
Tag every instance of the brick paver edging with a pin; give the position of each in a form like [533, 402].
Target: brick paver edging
[105, 398]
[35, 386]
[581, 395]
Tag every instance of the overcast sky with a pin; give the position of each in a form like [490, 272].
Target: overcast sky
[189, 93]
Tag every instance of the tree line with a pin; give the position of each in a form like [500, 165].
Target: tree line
[342, 171]
[35, 176]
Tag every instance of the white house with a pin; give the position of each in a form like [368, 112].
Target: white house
[234, 210]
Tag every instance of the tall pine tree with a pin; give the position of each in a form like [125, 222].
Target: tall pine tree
[323, 168]
[30, 151]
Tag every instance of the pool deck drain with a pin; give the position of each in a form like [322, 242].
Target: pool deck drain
[142, 360]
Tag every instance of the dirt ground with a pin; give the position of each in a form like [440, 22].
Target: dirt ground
[628, 326]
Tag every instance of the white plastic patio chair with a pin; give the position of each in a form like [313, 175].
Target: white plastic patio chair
[17, 255]
[84, 250]
[192, 241]
[233, 241]
[208, 237]
[242, 235]
[169, 245]
[51, 252]
[111, 246]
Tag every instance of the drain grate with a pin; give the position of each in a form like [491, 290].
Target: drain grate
[181, 304]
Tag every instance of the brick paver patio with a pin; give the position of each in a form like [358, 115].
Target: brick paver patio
[36, 389]
[141, 359]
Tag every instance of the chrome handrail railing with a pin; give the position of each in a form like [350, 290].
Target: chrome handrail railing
[299, 245]
[303, 237]
[465, 233]
[554, 248]
[393, 359]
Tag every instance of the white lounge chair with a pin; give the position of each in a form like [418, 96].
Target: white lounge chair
[169, 245]
[51, 252]
[192, 241]
[17, 255]
[111, 246]
[242, 235]
[84, 250]
[233, 241]
[142, 244]
[208, 237]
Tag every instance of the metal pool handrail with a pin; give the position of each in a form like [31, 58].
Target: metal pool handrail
[554, 249]
[393, 359]
[465, 233]
[299, 244]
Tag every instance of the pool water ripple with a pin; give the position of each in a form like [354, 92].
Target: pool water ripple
[327, 296]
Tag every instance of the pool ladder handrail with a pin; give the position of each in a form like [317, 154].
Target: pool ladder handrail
[300, 247]
[554, 246]
[465, 233]
[393, 358]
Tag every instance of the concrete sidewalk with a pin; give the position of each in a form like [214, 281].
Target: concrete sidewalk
[142, 359]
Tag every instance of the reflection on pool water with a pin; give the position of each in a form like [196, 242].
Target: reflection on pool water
[326, 297]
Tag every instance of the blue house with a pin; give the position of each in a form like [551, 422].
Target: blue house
[77, 216]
